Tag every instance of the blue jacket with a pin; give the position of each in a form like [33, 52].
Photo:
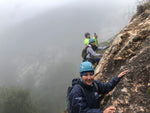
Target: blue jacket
[89, 100]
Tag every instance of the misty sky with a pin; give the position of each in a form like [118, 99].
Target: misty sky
[13, 12]
[41, 40]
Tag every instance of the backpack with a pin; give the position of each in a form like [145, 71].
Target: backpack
[74, 82]
[84, 53]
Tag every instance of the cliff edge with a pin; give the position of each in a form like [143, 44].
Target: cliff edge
[129, 50]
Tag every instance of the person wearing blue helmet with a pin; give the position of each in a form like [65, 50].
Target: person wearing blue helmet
[91, 52]
[85, 95]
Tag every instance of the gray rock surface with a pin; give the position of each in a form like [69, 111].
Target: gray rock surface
[129, 50]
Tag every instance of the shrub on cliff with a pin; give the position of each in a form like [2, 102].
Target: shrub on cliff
[141, 8]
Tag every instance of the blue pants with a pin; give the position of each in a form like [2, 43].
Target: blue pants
[98, 59]
[93, 61]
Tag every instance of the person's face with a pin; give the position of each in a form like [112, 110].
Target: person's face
[88, 36]
[88, 78]
[95, 36]
[93, 43]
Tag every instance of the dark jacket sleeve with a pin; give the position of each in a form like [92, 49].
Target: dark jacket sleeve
[105, 88]
[79, 103]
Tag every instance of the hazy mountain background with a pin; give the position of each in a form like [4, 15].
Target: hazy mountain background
[41, 42]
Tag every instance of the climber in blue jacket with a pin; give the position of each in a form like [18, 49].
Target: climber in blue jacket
[85, 95]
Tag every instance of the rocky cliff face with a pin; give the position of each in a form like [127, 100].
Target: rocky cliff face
[129, 50]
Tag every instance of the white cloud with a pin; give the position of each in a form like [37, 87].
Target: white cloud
[14, 11]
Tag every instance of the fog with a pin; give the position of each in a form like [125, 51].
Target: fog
[41, 42]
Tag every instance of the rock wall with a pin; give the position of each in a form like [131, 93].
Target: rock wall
[129, 50]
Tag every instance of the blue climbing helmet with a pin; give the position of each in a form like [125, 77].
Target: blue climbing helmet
[91, 40]
[86, 66]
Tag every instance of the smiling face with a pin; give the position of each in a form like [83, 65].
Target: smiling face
[88, 78]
